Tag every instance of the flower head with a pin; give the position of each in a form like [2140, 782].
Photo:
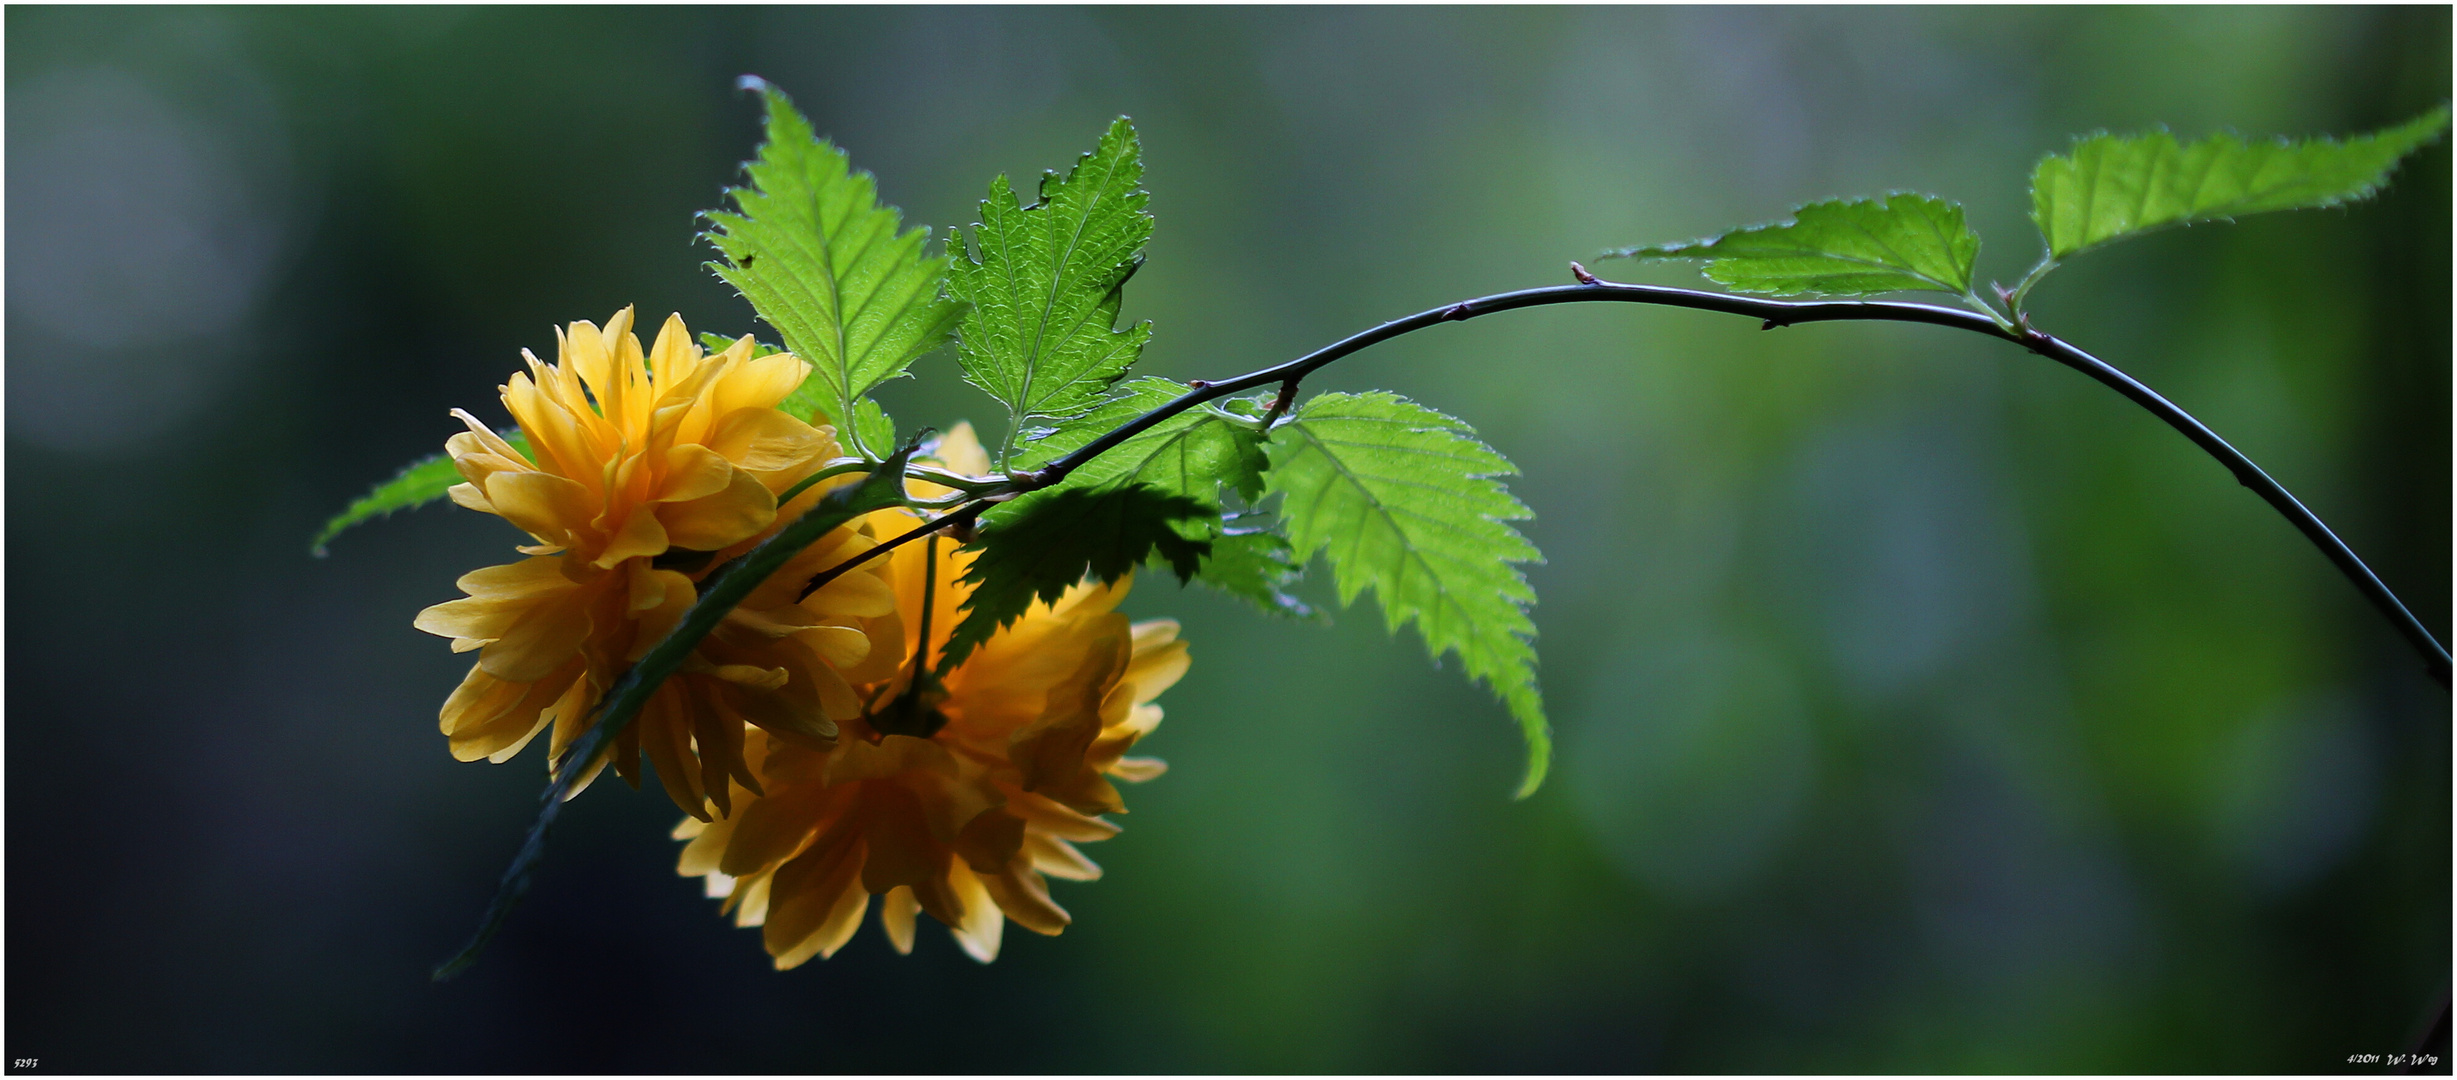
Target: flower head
[958, 795]
[647, 470]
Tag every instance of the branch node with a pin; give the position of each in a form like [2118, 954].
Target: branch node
[1286, 398]
[1199, 384]
[1455, 312]
[1580, 272]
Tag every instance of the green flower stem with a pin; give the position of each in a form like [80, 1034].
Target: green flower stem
[834, 469]
[942, 502]
[964, 485]
[958, 481]
[884, 488]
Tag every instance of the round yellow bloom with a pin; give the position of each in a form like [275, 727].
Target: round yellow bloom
[960, 799]
[647, 471]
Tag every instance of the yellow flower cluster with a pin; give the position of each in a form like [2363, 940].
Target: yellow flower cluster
[819, 760]
[958, 798]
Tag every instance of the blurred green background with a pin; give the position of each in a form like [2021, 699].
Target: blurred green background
[1922, 706]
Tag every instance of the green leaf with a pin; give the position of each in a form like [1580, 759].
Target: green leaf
[1405, 501]
[1041, 335]
[1041, 549]
[420, 482]
[1199, 454]
[826, 264]
[1258, 566]
[872, 424]
[2111, 187]
[1194, 453]
[1860, 247]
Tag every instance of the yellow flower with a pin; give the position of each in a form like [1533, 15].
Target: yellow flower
[959, 799]
[650, 469]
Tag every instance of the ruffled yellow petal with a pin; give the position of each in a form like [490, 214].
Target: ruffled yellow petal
[1050, 751]
[672, 349]
[897, 831]
[755, 384]
[960, 450]
[541, 639]
[490, 442]
[981, 927]
[861, 594]
[468, 497]
[966, 820]
[1024, 897]
[815, 904]
[696, 472]
[1056, 858]
[1136, 770]
[716, 521]
[764, 440]
[896, 911]
[768, 831]
[708, 840]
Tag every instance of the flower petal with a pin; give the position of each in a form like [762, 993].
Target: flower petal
[840, 646]
[960, 450]
[545, 635]
[896, 911]
[1050, 751]
[756, 384]
[543, 505]
[771, 830]
[1024, 897]
[695, 472]
[641, 536]
[814, 905]
[1136, 770]
[901, 849]
[860, 594]
[991, 840]
[750, 901]
[474, 620]
[716, 521]
[1057, 858]
[469, 497]
[983, 924]
[766, 440]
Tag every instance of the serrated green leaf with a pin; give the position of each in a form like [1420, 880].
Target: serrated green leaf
[420, 482]
[1901, 242]
[1195, 453]
[1405, 501]
[1038, 550]
[1258, 566]
[1040, 335]
[873, 423]
[1199, 454]
[2111, 187]
[830, 268]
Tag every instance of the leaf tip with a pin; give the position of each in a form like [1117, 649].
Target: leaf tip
[1539, 763]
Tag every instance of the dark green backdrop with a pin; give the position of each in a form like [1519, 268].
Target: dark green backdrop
[1922, 706]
